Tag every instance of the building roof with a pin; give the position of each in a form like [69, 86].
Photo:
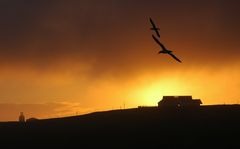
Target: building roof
[179, 100]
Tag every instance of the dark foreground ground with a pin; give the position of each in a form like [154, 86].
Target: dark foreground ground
[203, 127]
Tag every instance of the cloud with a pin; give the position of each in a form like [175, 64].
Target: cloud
[113, 36]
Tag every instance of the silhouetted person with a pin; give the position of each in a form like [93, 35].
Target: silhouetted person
[21, 118]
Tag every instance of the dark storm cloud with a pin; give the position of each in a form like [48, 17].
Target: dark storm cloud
[113, 35]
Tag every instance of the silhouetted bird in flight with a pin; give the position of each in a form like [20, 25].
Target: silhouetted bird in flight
[164, 50]
[154, 28]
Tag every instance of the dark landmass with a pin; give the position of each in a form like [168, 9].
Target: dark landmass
[205, 126]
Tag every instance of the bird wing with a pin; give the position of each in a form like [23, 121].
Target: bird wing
[174, 57]
[157, 33]
[157, 41]
[155, 28]
[152, 23]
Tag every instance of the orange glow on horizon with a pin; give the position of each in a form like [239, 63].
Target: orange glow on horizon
[151, 94]
[77, 95]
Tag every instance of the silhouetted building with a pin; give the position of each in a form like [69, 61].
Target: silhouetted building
[179, 101]
[21, 117]
[33, 119]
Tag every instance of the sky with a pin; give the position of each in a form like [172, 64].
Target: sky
[68, 57]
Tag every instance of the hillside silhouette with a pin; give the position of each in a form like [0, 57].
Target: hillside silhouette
[216, 125]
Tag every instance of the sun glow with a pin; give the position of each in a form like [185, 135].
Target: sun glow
[150, 93]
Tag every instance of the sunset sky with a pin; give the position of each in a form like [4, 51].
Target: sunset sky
[67, 57]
